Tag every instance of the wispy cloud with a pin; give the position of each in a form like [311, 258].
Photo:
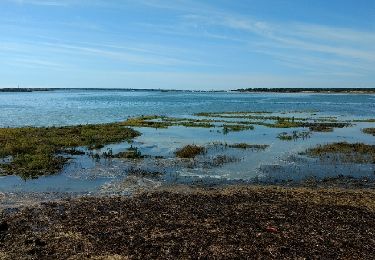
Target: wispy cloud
[131, 55]
[338, 46]
[339, 49]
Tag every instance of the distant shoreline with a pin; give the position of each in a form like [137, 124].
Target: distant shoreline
[308, 90]
[246, 90]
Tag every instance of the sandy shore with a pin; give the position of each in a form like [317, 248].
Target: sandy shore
[186, 222]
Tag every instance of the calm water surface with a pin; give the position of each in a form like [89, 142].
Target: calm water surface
[81, 107]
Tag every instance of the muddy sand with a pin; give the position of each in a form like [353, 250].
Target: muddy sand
[185, 222]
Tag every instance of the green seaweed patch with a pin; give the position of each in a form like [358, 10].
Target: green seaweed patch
[370, 131]
[130, 153]
[311, 111]
[146, 121]
[236, 128]
[320, 128]
[283, 123]
[326, 124]
[190, 151]
[249, 146]
[346, 152]
[294, 135]
[280, 121]
[214, 114]
[294, 124]
[369, 120]
[165, 122]
[34, 151]
[197, 124]
[230, 125]
[249, 116]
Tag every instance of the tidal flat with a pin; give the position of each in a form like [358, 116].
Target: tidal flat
[267, 157]
[212, 148]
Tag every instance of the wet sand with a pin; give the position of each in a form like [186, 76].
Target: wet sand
[189, 222]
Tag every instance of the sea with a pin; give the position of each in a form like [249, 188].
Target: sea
[282, 161]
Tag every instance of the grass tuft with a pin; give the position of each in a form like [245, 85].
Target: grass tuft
[190, 151]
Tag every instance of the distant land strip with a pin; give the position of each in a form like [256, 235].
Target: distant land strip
[101, 89]
[242, 90]
[308, 90]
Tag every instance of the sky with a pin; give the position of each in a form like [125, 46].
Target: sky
[187, 44]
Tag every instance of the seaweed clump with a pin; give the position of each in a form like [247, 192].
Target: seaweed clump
[236, 128]
[190, 151]
[321, 128]
[35, 151]
[370, 131]
[130, 153]
[146, 121]
[343, 151]
[249, 146]
[293, 136]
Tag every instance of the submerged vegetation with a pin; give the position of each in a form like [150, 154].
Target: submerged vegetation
[368, 120]
[249, 146]
[37, 151]
[32, 151]
[321, 128]
[236, 128]
[238, 121]
[346, 152]
[145, 121]
[130, 153]
[370, 131]
[294, 135]
[190, 151]
[276, 121]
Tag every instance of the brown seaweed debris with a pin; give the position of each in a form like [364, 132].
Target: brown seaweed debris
[346, 152]
[190, 151]
[370, 131]
[294, 135]
[130, 153]
[236, 128]
[249, 146]
[236, 222]
[321, 128]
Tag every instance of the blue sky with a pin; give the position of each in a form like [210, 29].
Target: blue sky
[187, 44]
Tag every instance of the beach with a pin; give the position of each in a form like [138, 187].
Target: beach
[192, 222]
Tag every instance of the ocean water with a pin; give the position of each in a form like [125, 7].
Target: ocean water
[71, 107]
[280, 162]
